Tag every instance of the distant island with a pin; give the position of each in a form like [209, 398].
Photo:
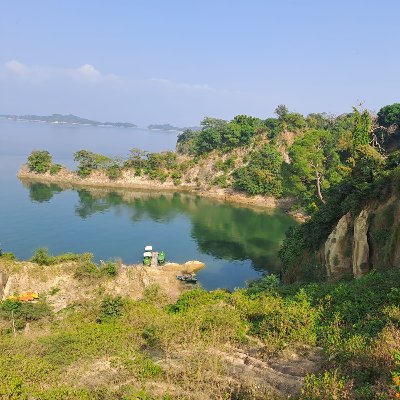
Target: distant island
[66, 119]
[169, 127]
[164, 127]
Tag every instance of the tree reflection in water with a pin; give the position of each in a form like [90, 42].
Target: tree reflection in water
[222, 230]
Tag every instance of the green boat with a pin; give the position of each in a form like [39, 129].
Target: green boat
[161, 258]
[147, 258]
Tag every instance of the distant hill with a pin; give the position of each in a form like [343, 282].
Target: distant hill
[169, 127]
[67, 119]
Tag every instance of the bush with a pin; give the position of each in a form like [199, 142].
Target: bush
[111, 307]
[39, 161]
[42, 256]
[8, 256]
[55, 169]
[114, 172]
[262, 175]
[24, 312]
[327, 386]
[89, 162]
[109, 268]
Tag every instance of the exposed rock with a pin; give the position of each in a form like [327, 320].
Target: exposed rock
[131, 281]
[360, 245]
[338, 249]
[3, 282]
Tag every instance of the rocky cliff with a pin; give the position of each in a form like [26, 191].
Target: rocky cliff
[365, 241]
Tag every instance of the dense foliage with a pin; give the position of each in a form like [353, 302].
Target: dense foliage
[262, 175]
[39, 161]
[372, 178]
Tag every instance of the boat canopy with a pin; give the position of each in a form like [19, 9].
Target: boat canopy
[147, 254]
[148, 248]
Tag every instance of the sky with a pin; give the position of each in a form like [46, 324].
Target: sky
[177, 61]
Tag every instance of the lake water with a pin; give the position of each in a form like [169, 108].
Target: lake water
[236, 243]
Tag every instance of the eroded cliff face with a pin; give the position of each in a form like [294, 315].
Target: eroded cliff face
[369, 240]
[360, 259]
[3, 283]
[337, 249]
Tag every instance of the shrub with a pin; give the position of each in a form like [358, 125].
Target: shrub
[8, 256]
[221, 181]
[55, 169]
[109, 268]
[327, 386]
[111, 307]
[42, 256]
[39, 161]
[89, 162]
[87, 269]
[114, 172]
[24, 312]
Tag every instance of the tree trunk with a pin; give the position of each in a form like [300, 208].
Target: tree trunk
[318, 179]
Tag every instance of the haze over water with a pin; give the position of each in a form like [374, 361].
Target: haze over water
[237, 244]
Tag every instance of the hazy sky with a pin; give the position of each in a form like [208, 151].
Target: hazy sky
[176, 61]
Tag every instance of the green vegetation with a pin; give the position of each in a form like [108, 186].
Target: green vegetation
[42, 257]
[39, 161]
[114, 347]
[88, 162]
[262, 174]
[373, 178]
[290, 155]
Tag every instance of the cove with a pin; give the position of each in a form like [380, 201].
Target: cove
[236, 243]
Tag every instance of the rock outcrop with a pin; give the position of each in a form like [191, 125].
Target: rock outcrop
[3, 283]
[337, 249]
[360, 245]
[370, 240]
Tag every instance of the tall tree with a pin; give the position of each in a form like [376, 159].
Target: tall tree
[313, 157]
[362, 128]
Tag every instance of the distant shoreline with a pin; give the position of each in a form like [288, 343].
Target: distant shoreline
[131, 182]
[58, 119]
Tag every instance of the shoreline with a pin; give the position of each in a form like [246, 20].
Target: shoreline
[131, 182]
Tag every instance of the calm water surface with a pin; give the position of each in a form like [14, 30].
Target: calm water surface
[236, 243]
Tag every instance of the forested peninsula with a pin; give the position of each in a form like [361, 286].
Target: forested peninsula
[290, 160]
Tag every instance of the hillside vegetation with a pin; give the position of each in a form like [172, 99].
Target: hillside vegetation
[287, 156]
[317, 341]
[317, 335]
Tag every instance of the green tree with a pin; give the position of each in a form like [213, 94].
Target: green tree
[262, 175]
[362, 128]
[281, 111]
[40, 161]
[313, 158]
[185, 141]
[389, 115]
[89, 162]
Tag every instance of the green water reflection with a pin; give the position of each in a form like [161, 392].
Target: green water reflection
[221, 230]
